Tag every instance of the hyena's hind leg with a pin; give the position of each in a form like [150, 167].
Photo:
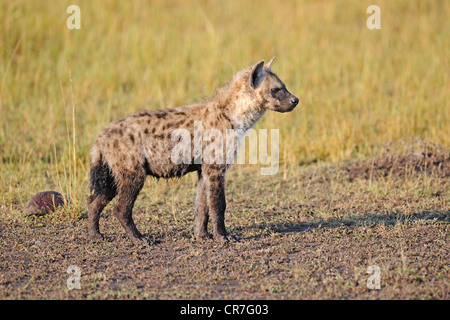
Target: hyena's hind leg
[129, 187]
[103, 190]
[201, 210]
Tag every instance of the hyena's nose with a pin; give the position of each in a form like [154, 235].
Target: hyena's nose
[294, 101]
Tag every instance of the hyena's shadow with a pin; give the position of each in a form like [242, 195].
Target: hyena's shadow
[265, 229]
[356, 220]
[149, 235]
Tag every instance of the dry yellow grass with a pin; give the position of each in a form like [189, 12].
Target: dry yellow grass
[359, 88]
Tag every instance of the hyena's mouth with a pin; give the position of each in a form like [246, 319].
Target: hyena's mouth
[285, 108]
[288, 109]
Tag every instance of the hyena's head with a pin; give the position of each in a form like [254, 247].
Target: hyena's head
[270, 90]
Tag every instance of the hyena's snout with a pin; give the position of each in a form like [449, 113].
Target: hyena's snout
[290, 103]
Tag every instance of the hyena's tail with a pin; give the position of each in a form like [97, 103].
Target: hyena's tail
[102, 180]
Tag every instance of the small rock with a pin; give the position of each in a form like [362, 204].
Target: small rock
[37, 244]
[43, 203]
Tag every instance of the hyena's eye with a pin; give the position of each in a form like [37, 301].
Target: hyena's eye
[275, 90]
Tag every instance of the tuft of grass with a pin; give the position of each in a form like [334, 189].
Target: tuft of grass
[67, 180]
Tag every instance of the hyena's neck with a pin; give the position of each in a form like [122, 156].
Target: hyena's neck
[243, 118]
[240, 104]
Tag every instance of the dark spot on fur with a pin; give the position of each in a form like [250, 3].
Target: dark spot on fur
[131, 138]
[142, 113]
[161, 114]
[146, 131]
[226, 117]
[116, 131]
[178, 124]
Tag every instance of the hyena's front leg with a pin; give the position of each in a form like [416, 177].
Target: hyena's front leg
[215, 185]
[201, 210]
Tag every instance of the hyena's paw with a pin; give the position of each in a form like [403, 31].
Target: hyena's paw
[226, 238]
[140, 241]
[95, 235]
[203, 236]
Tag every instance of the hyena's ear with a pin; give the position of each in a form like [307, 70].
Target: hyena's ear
[269, 64]
[257, 75]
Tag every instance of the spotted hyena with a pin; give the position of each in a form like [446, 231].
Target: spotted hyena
[142, 144]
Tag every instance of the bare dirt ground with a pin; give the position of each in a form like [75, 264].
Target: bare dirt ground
[306, 233]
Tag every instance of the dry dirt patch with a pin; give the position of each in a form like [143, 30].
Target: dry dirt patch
[310, 235]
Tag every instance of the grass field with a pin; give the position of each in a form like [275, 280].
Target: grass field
[364, 168]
